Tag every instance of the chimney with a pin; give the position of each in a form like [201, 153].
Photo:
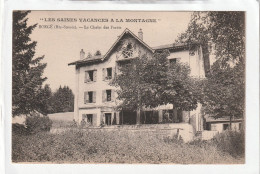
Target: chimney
[89, 55]
[82, 54]
[140, 34]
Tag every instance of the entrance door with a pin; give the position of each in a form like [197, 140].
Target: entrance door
[108, 118]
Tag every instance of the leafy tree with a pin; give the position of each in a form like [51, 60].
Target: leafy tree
[26, 70]
[223, 31]
[224, 90]
[62, 100]
[132, 86]
[152, 81]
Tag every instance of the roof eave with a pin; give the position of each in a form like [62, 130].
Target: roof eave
[85, 62]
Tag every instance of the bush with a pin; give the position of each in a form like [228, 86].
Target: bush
[231, 142]
[36, 124]
[19, 129]
[102, 146]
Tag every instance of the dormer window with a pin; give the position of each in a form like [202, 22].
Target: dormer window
[128, 51]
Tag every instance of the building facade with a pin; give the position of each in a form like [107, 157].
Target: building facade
[96, 101]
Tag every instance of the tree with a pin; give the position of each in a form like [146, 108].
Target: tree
[132, 86]
[152, 81]
[26, 70]
[223, 91]
[62, 100]
[223, 31]
[44, 100]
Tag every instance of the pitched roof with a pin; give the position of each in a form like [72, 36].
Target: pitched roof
[100, 58]
[173, 46]
[126, 31]
[91, 59]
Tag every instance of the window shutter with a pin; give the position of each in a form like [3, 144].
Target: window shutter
[86, 77]
[95, 76]
[94, 96]
[85, 97]
[113, 72]
[94, 120]
[104, 73]
[104, 96]
[112, 95]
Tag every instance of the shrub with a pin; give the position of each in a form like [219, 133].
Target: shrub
[37, 123]
[102, 146]
[231, 142]
[19, 129]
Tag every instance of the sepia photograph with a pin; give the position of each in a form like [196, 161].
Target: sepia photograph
[128, 87]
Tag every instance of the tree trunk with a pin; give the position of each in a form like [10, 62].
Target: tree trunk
[144, 117]
[122, 117]
[205, 54]
[138, 116]
[230, 122]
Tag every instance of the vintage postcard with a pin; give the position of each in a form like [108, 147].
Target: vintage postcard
[128, 87]
[95, 87]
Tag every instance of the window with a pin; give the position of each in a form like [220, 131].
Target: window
[225, 126]
[90, 73]
[108, 95]
[90, 76]
[90, 118]
[108, 118]
[90, 97]
[109, 73]
[174, 60]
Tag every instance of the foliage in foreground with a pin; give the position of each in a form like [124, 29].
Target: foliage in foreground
[86, 146]
[33, 125]
[231, 142]
[37, 124]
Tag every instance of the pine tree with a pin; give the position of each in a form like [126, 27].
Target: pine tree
[44, 100]
[62, 100]
[27, 71]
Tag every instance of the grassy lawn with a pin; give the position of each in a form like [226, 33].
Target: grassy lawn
[88, 146]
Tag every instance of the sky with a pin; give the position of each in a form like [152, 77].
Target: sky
[61, 46]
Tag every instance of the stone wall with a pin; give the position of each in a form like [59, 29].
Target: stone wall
[183, 130]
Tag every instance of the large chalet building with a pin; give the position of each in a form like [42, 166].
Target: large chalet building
[96, 101]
